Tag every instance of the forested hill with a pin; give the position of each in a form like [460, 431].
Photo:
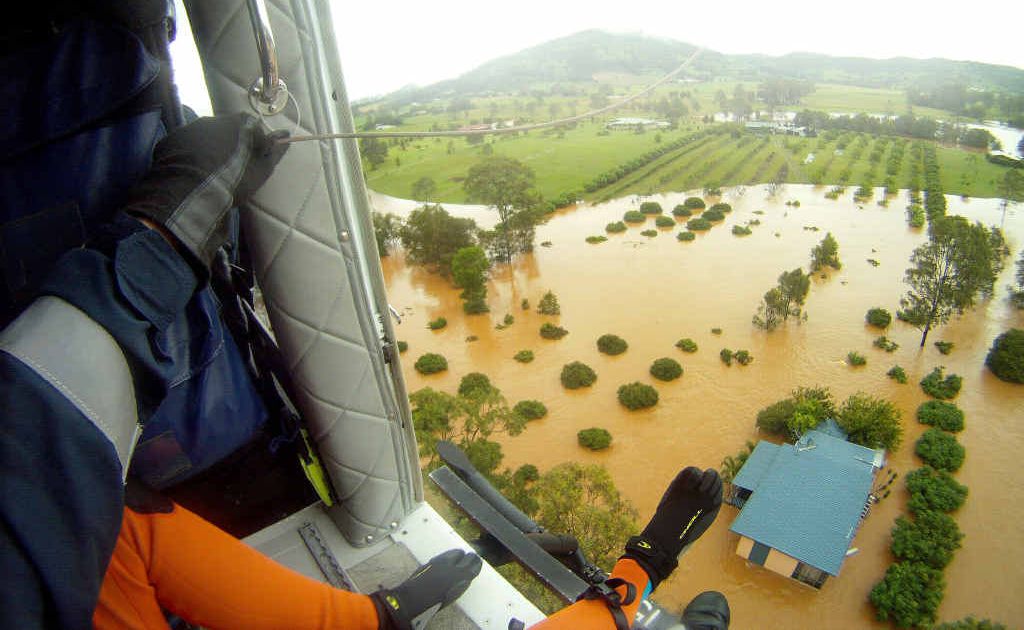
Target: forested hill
[579, 57]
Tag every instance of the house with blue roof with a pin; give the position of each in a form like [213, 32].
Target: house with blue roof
[801, 504]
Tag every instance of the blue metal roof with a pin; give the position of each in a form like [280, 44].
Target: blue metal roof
[831, 427]
[808, 502]
[757, 465]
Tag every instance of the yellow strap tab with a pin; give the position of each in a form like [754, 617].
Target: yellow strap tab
[315, 472]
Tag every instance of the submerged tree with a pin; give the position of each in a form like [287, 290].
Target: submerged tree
[583, 500]
[507, 186]
[468, 419]
[784, 300]
[469, 271]
[386, 230]
[1017, 290]
[949, 272]
[826, 254]
[431, 237]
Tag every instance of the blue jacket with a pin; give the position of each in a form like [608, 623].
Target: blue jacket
[61, 489]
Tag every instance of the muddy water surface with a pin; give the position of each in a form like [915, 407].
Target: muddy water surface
[653, 291]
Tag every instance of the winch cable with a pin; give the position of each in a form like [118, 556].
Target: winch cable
[517, 129]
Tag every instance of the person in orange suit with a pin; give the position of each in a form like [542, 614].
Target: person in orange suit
[167, 558]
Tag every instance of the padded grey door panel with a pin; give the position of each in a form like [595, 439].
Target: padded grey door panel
[316, 262]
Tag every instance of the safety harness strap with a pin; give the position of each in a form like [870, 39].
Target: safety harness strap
[606, 592]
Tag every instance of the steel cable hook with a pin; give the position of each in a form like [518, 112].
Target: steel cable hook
[268, 94]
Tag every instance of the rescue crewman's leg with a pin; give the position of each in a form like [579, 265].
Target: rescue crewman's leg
[181, 563]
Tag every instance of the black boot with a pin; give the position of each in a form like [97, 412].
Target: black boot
[707, 611]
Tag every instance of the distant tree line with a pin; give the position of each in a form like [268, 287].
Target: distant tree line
[980, 104]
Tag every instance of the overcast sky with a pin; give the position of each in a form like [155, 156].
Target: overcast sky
[386, 45]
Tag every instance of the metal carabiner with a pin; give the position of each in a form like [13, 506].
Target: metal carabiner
[268, 94]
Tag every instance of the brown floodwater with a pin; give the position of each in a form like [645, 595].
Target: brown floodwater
[654, 291]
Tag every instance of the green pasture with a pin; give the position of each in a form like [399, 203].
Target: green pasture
[566, 159]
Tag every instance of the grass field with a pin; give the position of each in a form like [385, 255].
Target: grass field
[565, 160]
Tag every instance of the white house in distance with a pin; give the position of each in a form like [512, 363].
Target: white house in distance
[637, 123]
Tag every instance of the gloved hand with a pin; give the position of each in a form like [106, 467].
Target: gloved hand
[686, 510]
[414, 602]
[199, 172]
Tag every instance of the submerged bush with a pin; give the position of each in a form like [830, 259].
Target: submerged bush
[739, 230]
[666, 369]
[664, 222]
[550, 331]
[431, 363]
[634, 216]
[941, 414]
[437, 324]
[594, 240]
[932, 489]
[650, 207]
[886, 344]
[940, 450]
[649, 233]
[682, 211]
[595, 438]
[549, 305]
[576, 375]
[686, 236]
[931, 538]
[878, 317]
[897, 374]
[474, 384]
[743, 357]
[791, 417]
[725, 355]
[856, 359]
[909, 595]
[942, 388]
[402, 346]
[1006, 357]
[713, 215]
[687, 345]
[531, 409]
[616, 227]
[693, 203]
[945, 347]
[871, 421]
[612, 344]
[700, 224]
[721, 207]
[637, 395]
[524, 356]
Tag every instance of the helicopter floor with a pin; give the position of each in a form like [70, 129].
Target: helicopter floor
[488, 604]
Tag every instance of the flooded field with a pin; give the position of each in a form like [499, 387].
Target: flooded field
[654, 291]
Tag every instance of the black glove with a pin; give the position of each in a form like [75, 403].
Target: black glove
[199, 172]
[687, 509]
[414, 602]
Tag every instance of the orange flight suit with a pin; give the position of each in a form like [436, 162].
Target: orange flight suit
[180, 563]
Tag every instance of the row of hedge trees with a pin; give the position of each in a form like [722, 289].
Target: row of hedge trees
[913, 586]
[610, 177]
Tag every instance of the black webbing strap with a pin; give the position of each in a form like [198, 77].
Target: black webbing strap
[607, 593]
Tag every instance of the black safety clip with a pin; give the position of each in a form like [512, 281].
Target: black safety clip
[606, 591]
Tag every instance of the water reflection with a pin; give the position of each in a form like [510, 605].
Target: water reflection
[653, 291]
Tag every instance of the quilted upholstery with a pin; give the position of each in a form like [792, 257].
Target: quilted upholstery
[316, 263]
